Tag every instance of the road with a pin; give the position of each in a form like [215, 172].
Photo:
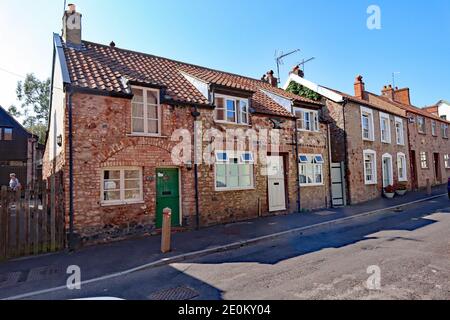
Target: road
[410, 249]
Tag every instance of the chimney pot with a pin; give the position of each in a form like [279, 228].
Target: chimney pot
[359, 87]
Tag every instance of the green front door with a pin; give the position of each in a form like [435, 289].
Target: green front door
[167, 195]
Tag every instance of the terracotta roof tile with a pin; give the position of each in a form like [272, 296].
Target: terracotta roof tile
[104, 68]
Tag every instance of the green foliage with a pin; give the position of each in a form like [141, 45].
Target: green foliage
[302, 91]
[34, 109]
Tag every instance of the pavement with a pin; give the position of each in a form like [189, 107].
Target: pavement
[100, 263]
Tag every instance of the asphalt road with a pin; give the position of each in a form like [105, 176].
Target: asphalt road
[411, 250]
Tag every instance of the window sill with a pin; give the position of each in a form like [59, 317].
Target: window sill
[386, 142]
[235, 189]
[231, 123]
[310, 131]
[368, 140]
[311, 185]
[145, 135]
[422, 133]
[121, 203]
[373, 183]
[402, 180]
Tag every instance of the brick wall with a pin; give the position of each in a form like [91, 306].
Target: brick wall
[358, 190]
[101, 131]
[431, 145]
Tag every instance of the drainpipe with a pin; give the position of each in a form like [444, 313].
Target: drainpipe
[196, 114]
[297, 159]
[71, 205]
[347, 182]
[330, 165]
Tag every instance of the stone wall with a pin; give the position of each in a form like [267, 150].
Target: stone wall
[102, 138]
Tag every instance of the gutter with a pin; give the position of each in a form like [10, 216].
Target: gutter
[347, 161]
[297, 159]
[195, 114]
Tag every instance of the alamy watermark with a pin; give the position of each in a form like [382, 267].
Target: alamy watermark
[374, 281]
[374, 19]
[74, 280]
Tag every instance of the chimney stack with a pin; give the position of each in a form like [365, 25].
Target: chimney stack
[388, 92]
[359, 87]
[271, 79]
[71, 32]
[297, 71]
[402, 96]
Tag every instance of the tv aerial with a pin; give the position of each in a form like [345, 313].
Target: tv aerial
[279, 56]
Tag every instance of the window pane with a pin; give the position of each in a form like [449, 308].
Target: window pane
[245, 170]
[133, 194]
[111, 196]
[231, 111]
[111, 175]
[221, 176]
[152, 97]
[244, 110]
[132, 174]
[138, 110]
[153, 126]
[138, 95]
[245, 182]
[132, 184]
[152, 112]
[233, 182]
[138, 125]
[7, 134]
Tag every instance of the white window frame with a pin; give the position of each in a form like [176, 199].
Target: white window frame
[433, 128]
[447, 161]
[313, 116]
[422, 161]
[402, 174]
[444, 130]
[239, 156]
[419, 127]
[387, 118]
[368, 112]
[145, 106]
[238, 112]
[374, 167]
[313, 165]
[122, 200]
[400, 137]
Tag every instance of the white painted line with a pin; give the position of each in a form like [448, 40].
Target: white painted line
[182, 257]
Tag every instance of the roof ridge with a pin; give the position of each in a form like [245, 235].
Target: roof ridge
[173, 60]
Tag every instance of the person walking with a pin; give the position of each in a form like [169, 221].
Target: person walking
[15, 186]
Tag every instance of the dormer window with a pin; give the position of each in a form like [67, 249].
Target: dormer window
[231, 109]
[146, 112]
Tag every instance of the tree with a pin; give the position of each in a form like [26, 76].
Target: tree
[34, 109]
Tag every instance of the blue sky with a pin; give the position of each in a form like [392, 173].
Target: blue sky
[242, 37]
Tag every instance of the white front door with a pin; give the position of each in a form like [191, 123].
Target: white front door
[277, 190]
[387, 171]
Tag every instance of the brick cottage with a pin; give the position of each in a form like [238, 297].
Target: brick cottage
[117, 121]
[428, 138]
[369, 139]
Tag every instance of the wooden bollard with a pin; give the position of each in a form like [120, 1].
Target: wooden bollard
[166, 230]
[429, 187]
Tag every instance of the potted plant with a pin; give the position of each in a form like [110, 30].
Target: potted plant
[401, 189]
[389, 192]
